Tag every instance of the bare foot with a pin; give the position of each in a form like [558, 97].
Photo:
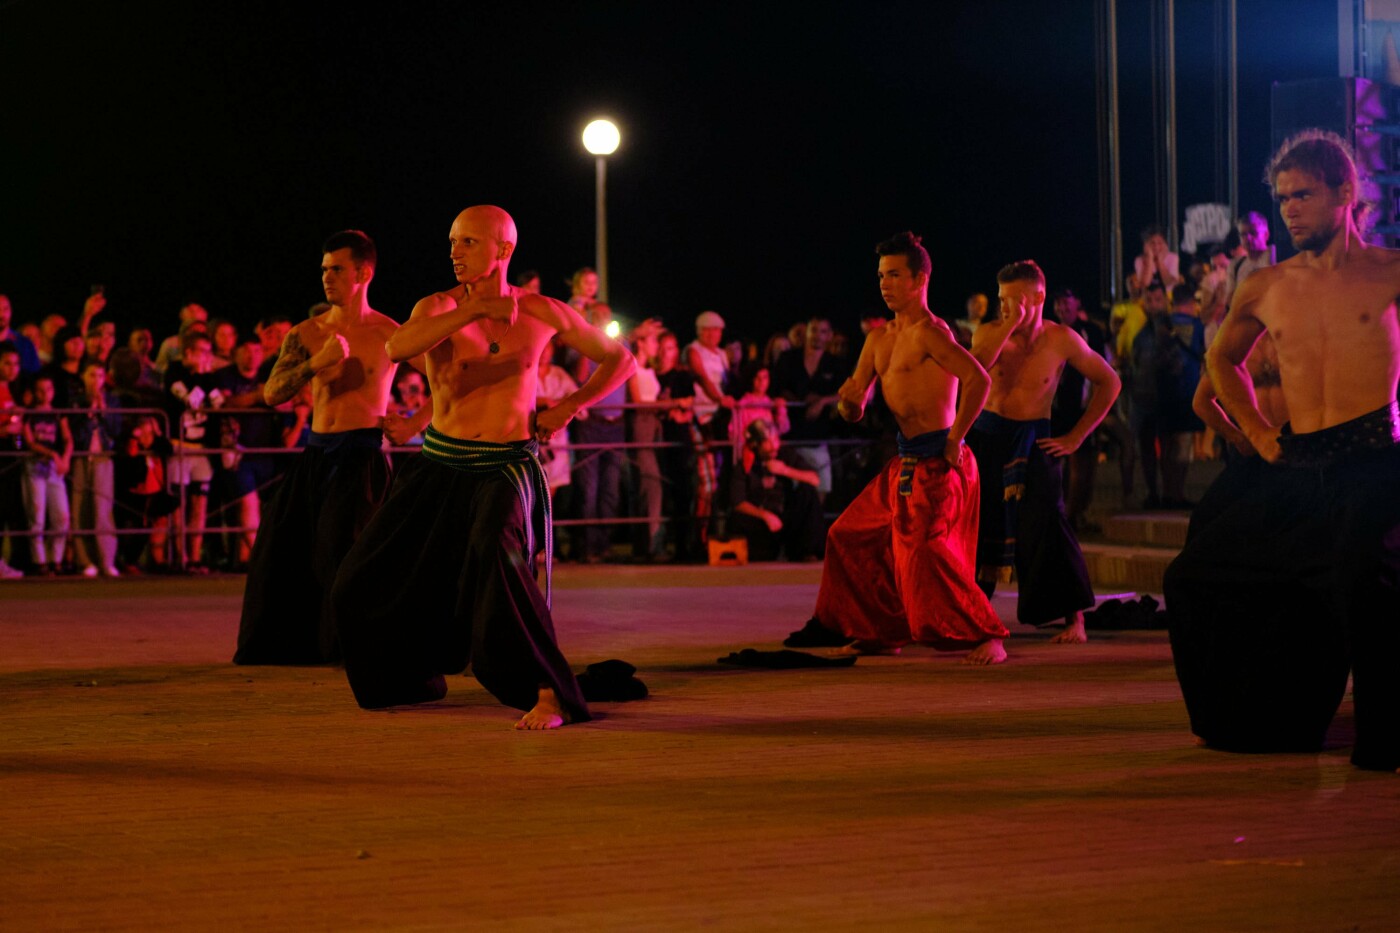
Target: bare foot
[863, 647]
[547, 714]
[989, 652]
[1074, 633]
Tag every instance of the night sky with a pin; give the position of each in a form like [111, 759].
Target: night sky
[178, 152]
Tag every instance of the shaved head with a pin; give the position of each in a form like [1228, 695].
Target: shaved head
[482, 239]
[491, 220]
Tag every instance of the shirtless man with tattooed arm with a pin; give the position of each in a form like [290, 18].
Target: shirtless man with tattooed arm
[338, 481]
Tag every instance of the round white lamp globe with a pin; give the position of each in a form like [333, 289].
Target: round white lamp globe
[601, 137]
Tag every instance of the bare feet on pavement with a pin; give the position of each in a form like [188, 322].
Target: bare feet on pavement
[1074, 633]
[547, 714]
[989, 652]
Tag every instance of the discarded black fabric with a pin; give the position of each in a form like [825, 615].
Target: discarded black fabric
[783, 660]
[611, 681]
[1117, 615]
[816, 635]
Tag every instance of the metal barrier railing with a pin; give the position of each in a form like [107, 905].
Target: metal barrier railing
[177, 532]
[13, 459]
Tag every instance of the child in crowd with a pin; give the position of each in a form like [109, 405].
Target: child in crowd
[50, 443]
[142, 499]
[95, 433]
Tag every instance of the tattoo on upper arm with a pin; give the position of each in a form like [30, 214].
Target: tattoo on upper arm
[287, 376]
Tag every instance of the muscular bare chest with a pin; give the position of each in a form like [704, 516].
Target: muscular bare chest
[1316, 318]
[1029, 367]
[465, 362]
[367, 367]
[898, 352]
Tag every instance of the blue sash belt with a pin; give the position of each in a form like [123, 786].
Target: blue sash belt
[914, 449]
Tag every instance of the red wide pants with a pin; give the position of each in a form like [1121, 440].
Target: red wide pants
[902, 568]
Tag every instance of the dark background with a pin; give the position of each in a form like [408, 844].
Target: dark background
[192, 152]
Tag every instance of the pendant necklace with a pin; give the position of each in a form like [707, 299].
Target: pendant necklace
[494, 345]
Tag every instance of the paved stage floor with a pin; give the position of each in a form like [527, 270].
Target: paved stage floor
[149, 784]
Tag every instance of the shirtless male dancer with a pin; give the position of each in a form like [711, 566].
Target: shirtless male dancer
[1023, 523]
[444, 574]
[899, 563]
[328, 495]
[1294, 576]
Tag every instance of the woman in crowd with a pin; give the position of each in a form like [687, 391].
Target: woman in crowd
[755, 403]
[776, 345]
[143, 502]
[682, 437]
[69, 349]
[142, 344]
[225, 336]
[645, 428]
[95, 434]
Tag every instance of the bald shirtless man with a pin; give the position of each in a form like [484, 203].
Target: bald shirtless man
[335, 485]
[1295, 577]
[899, 561]
[1023, 525]
[444, 575]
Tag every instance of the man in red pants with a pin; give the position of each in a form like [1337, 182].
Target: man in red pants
[900, 561]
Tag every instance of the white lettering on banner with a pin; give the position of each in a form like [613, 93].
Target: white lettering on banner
[1205, 223]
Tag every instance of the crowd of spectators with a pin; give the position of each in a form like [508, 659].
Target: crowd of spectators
[160, 453]
[662, 466]
[1160, 335]
[105, 446]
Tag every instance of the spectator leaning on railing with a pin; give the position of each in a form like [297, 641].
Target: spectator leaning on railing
[50, 446]
[758, 402]
[142, 500]
[95, 434]
[683, 440]
[242, 475]
[12, 516]
[188, 387]
[645, 428]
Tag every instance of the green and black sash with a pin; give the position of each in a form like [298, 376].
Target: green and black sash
[520, 462]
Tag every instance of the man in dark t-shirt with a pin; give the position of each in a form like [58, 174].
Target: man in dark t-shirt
[241, 476]
[808, 377]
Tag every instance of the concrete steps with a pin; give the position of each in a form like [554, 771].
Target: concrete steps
[1134, 549]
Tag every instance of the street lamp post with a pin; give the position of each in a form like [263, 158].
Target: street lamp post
[601, 138]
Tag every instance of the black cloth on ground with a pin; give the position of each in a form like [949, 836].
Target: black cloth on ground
[783, 660]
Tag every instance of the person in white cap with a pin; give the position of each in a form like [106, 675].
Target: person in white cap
[709, 365]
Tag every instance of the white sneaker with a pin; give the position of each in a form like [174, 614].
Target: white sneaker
[90, 571]
[9, 573]
[110, 571]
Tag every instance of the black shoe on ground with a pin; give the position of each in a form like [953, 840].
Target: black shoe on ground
[816, 635]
